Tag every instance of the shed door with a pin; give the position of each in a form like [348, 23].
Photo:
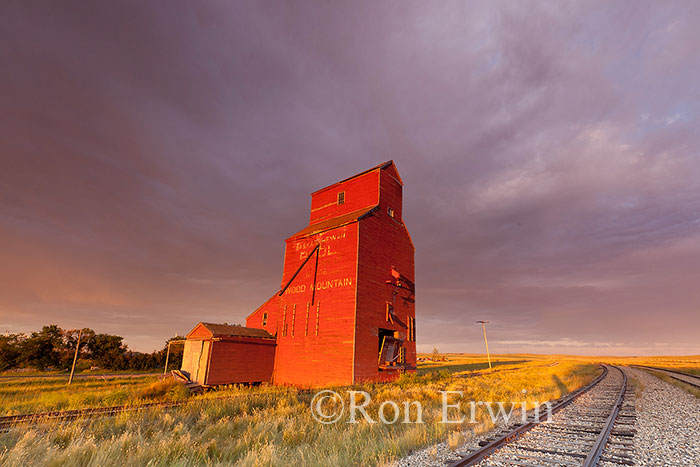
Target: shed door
[204, 362]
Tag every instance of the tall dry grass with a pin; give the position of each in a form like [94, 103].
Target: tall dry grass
[274, 425]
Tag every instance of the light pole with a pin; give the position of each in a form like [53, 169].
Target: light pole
[75, 358]
[483, 325]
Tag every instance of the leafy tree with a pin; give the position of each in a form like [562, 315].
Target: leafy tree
[10, 350]
[42, 349]
[55, 347]
[107, 351]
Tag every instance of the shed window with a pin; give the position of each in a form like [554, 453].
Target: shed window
[390, 212]
[265, 319]
[341, 198]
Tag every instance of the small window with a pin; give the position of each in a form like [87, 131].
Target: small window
[265, 319]
[318, 312]
[284, 322]
[411, 329]
[341, 198]
[390, 212]
[389, 348]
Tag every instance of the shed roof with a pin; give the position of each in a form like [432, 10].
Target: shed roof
[333, 223]
[228, 330]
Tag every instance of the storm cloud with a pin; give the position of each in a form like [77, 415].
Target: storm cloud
[154, 156]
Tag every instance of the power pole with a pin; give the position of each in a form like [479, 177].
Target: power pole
[167, 357]
[483, 325]
[75, 358]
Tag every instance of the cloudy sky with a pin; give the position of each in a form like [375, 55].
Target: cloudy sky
[154, 156]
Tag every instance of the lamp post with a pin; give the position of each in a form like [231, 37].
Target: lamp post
[75, 357]
[483, 326]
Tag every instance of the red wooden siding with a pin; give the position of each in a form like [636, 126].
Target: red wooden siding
[360, 192]
[241, 360]
[384, 242]
[304, 358]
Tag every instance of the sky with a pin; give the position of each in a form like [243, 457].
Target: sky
[155, 155]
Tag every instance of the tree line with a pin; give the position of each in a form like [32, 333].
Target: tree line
[53, 348]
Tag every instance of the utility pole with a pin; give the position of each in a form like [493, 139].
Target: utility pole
[75, 358]
[483, 325]
[167, 357]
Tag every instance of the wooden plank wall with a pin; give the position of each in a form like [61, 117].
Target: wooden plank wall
[384, 242]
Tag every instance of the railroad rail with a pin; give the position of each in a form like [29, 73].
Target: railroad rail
[9, 421]
[590, 425]
[687, 378]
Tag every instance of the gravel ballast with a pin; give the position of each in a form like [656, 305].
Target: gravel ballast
[668, 423]
[667, 428]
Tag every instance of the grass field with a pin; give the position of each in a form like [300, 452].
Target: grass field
[267, 425]
[19, 396]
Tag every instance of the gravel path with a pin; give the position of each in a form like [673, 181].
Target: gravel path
[668, 424]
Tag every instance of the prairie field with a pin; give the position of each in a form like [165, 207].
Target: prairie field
[18, 396]
[269, 425]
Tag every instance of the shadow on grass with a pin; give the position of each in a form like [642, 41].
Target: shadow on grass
[561, 386]
[458, 367]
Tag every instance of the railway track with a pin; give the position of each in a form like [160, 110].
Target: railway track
[591, 426]
[9, 421]
[687, 378]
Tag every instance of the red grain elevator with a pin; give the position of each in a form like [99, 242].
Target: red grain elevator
[345, 311]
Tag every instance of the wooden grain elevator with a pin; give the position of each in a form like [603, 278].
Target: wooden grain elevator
[345, 310]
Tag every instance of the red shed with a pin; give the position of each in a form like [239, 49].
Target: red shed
[224, 354]
[345, 311]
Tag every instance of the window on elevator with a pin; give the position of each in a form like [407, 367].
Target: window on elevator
[389, 348]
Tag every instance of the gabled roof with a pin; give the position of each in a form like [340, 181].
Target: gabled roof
[229, 330]
[388, 166]
[333, 223]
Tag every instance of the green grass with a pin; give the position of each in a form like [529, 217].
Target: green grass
[274, 426]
